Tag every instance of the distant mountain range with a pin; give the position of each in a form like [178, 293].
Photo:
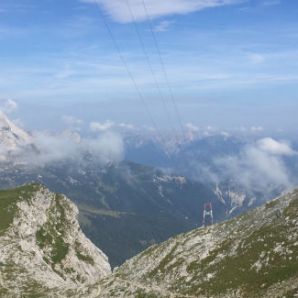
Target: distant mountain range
[232, 164]
[201, 149]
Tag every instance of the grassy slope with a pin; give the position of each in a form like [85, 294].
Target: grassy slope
[264, 236]
[8, 201]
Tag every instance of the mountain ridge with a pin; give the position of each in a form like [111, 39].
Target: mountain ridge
[42, 247]
[253, 255]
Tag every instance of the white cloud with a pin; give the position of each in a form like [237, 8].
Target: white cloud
[191, 131]
[256, 58]
[42, 148]
[163, 26]
[8, 105]
[110, 125]
[72, 121]
[126, 126]
[192, 127]
[261, 169]
[53, 148]
[271, 2]
[119, 10]
[255, 170]
[256, 129]
[106, 148]
[101, 127]
[274, 147]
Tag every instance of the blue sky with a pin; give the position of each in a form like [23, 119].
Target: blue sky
[229, 63]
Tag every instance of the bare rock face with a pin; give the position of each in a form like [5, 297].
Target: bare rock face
[43, 251]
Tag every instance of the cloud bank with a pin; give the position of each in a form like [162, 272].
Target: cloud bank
[119, 10]
[101, 126]
[105, 148]
[274, 147]
[259, 167]
[43, 148]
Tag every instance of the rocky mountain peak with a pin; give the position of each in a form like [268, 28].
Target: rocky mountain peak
[11, 136]
[42, 246]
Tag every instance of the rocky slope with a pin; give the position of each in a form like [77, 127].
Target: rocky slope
[254, 255]
[42, 248]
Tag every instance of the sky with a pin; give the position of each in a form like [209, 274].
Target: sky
[161, 64]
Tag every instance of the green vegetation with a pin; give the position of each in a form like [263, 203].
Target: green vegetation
[33, 289]
[3, 292]
[162, 265]
[51, 234]
[9, 200]
[83, 257]
[271, 204]
[237, 271]
[292, 210]
[101, 212]
[257, 253]
[200, 265]
[142, 294]
[291, 293]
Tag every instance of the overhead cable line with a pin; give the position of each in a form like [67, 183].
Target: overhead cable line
[130, 74]
[146, 54]
[132, 78]
[140, 95]
[163, 66]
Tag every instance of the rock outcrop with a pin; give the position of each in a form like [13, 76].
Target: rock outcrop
[43, 251]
